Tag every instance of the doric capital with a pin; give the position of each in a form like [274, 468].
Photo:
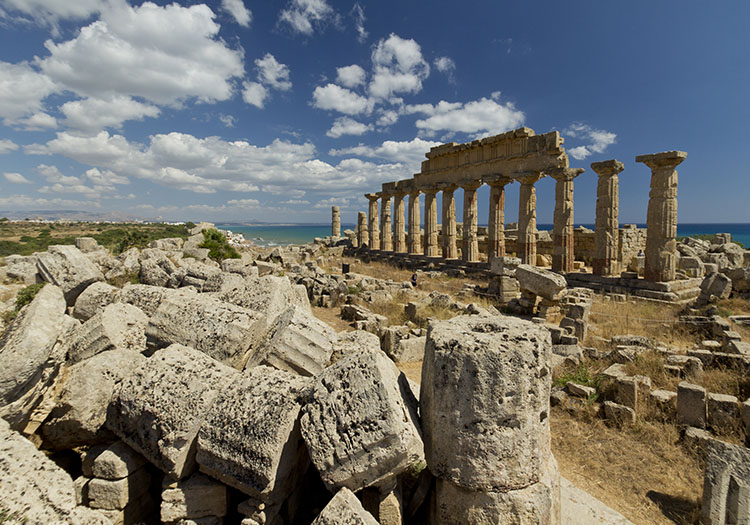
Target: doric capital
[373, 196]
[497, 180]
[430, 191]
[565, 174]
[665, 159]
[607, 168]
[471, 185]
[446, 186]
[528, 178]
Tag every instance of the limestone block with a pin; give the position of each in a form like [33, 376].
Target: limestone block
[581, 508]
[740, 279]
[146, 297]
[191, 498]
[268, 295]
[93, 299]
[577, 326]
[574, 389]
[26, 352]
[23, 268]
[297, 342]
[360, 424]
[726, 484]
[86, 244]
[620, 414]
[116, 494]
[543, 283]
[504, 266]
[409, 350]
[746, 418]
[222, 281]
[80, 413]
[170, 244]
[239, 266]
[221, 330]
[665, 400]
[349, 342]
[117, 326]
[723, 411]
[717, 284]
[112, 462]
[155, 271]
[251, 439]
[68, 268]
[738, 347]
[692, 367]
[344, 509]
[691, 405]
[485, 401]
[159, 408]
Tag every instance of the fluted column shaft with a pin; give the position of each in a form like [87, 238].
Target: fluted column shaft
[562, 231]
[399, 224]
[449, 223]
[527, 218]
[661, 220]
[606, 233]
[386, 243]
[415, 229]
[430, 224]
[363, 236]
[470, 248]
[496, 226]
[335, 221]
[373, 225]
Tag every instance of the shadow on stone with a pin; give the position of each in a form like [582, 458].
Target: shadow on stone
[676, 508]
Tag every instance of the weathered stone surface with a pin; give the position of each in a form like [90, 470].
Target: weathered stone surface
[159, 408]
[68, 268]
[471, 364]
[717, 284]
[113, 461]
[344, 509]
[360, 424]
[410, 350]
[251, 438]
[297, 342]
[540, 282]
[81, 410]
[239, 266]
[191, 498]
[147, 297]
[117, 326]
[93, 299]
[691, 405]
[581, 508]
[268, 295]
[86, 244]
[606, 237]
[170, 244]
[221, 330]
[116, 494]
[350, 342]
[26, 351]
[723, 411]
[619, 414]
[23, 268]
[574, 389]
[726, 485]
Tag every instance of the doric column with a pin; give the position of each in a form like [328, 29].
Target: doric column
[449, 222]
[470, 248]
[399, 225]
[496, 229]
[363, 236]
[431, 248]
[374, 224]
[385, 234]
[606, 234]
[527, 216]
[562, 231]
[335, 221]
[415, 231]
[661, 220]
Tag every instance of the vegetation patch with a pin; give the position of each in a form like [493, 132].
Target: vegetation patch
[24, 297]
[218, 245]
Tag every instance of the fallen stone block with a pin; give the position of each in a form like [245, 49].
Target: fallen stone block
[726, 490]
[268, 295]
[93, 299]
[239, 266]
[738, 347]
[360, 424]
[192, 498]
[170, 244]
[80, 413]
[137, 511]
[543, 283]
[691, 405]
[582, 391]
[146, 297]
[619, 414]
[251, 438]
[410, 350]
[723, 411]
[614, 371]
[664, 400]
[116, 494]
[578, 507]
[297, 342]
[716, 284]
[112, 462]
[68, 268]
[23, 268]
[159, 408]
[117, 326]
[156, 271]
[350, 342]
[344, 509]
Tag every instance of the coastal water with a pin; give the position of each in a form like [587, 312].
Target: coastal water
[285, 234]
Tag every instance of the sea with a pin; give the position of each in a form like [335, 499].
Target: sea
[286, 234]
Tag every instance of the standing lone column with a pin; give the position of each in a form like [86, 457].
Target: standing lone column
[415, 228]
[399, 226]
[449, 222]
[527, 217]
[373, 226]
[661, 220]
[562, 231]
[335, 221]
[385, 234]
[470, 249]
[363, 236]
[430, 224]
[496, 229]
[606, 235]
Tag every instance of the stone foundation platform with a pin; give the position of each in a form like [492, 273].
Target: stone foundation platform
[682, 291]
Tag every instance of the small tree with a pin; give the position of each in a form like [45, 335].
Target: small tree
[218, 246]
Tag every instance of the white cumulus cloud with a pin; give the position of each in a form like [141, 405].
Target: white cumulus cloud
[16, 178]
[444, 64]
[410, 152]
[598, 139]
[254, 93]
[340, 99]
[272, 73]
[304, 16]
[7, 145]
[94, 114]
[22, 90]
[350, 76]
[398, 67]
[347, 126]
[237, 9]
[483, 116]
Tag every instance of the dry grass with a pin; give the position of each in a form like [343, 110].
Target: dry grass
[413, 371]
[734, 306]
[723, 381]
[641, 472]
[651, 364]
[332, 317]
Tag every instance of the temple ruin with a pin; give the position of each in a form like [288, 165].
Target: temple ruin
[394, 228]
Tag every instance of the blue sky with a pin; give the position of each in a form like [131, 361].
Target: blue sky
[240, 110]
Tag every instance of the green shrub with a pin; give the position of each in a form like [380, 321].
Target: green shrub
[24, 297]
[218, 245]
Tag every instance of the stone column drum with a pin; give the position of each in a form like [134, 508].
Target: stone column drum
[562, 232]
[470, 250]
[363, 237]
[335, 221]
[385, 234]
[373, 226]
[449, 223]
[496, 229]
[527, 217]
[431, 248]
[606, 234]
[661, 219]
[485, 420]
[415, 229]
[399, 226]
